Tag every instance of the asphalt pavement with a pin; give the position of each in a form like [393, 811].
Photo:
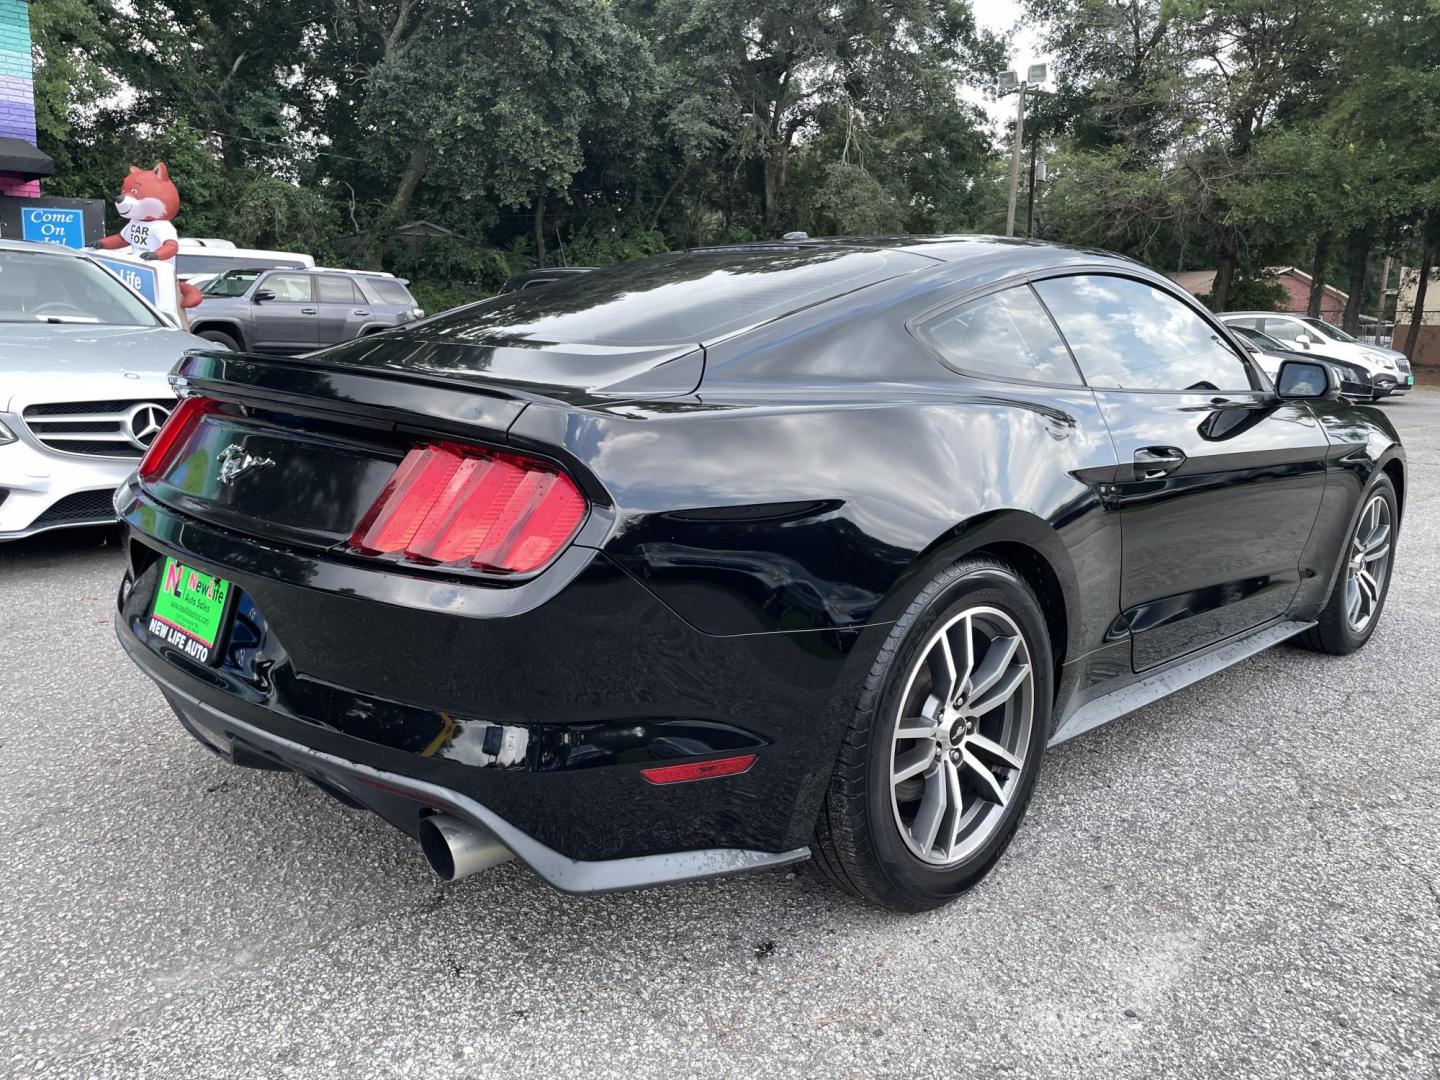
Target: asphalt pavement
[1242, 880]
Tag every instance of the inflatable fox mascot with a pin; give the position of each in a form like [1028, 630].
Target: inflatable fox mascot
[149, 201]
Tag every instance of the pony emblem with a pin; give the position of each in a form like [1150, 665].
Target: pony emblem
[234, 461]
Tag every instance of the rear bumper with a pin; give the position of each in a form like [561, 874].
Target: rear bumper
[404, 802]
[539, 704]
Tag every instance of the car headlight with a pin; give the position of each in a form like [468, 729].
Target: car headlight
[1376, 358]
[6, 435]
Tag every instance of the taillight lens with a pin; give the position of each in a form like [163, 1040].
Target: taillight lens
[459, 506]
[176, 430]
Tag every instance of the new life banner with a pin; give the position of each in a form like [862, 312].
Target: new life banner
[154, 280]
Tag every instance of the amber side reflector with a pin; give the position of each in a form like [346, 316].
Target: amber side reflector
[699, 770]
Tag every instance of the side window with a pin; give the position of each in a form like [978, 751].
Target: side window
[1006, 335]
[1128, 335]
[335, 289]
[292, 287]
[1286, 330]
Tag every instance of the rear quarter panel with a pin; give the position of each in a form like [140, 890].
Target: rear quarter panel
[829, 465]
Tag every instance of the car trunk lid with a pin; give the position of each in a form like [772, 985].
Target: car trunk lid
[297, 452]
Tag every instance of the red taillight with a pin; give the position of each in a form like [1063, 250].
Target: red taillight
[501, 513]
[181, 424]
[699, 770]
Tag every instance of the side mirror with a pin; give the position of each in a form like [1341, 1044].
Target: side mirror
[1306, 380]
[263, 294]
[1303, 340]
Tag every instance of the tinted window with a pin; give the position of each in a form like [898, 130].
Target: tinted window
[1254, 337]
[391, 291]
[673, 299]
[294, 287]
[1006, 334]
[335, 289]
[1128, 335]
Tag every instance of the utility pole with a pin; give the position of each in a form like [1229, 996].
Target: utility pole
[1015, 159]
[1010, 80]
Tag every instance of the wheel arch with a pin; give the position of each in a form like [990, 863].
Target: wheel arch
[1021, 540]
[225, 326]
[1394, 468]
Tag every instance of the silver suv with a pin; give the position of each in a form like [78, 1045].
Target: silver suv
[263, 309]
[84, 386]
[1388, 369]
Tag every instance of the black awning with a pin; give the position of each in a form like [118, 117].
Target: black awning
[18, 157]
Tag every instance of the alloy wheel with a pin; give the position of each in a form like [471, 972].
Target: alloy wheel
[1368, 563]
[962, 732]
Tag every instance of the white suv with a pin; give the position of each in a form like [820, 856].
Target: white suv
[84, 386]
[1389, 370]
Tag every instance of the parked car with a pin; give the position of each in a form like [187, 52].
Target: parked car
[1355, 381]
[84, 366]
[547, 275]
[291, 311]
[1389, 370]
[726, 559]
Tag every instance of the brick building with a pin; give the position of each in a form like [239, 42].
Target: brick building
[1294, 281]
[21, 164]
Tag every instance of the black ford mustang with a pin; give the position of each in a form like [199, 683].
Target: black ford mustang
[731, 557]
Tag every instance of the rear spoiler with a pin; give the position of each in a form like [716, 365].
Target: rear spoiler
[383, 398]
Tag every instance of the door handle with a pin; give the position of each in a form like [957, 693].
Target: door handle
[309, 311]
[361, 311]
[1155, 461]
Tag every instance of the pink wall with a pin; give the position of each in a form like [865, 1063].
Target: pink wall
[13, 185]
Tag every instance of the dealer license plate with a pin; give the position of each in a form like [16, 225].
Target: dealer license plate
[189, 610]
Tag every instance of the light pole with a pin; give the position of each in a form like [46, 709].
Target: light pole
[1010, 81]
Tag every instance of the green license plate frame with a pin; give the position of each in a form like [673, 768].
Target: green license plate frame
[190, 611]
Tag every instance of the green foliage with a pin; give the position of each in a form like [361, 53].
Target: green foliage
[447, 272]
[1237, 134]
[599, 245]
[1257, 292]
[269, 213]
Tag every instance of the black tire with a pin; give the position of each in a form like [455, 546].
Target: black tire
[858, 843]
[1333, 632]
[220, 337]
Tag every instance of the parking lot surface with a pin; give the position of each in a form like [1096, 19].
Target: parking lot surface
[1242, 880]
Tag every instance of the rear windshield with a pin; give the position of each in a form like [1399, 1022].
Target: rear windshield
[390, 290]
[671, 299]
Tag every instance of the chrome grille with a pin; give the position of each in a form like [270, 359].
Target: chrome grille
[120, 429]
[1403, 365]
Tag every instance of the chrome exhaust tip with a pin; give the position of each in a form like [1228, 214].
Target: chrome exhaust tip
[455, 848]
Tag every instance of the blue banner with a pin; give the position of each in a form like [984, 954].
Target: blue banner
[142, 279]
[53, 225]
